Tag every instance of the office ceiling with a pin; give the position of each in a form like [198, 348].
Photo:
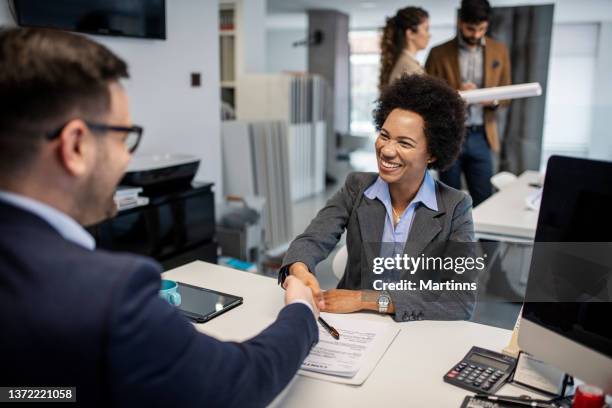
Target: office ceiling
[362, 13]
[372, 13]
[347, 6]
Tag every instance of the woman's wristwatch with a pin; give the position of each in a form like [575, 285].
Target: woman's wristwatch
[384, 300]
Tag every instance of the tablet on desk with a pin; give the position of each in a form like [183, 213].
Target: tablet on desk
[201, 304]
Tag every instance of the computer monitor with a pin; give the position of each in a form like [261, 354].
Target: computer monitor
[569, 334]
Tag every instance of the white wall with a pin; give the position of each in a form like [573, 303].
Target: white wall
[601, 136]
[282, 55]
[177, 118]
[253, 17]
[569, 102]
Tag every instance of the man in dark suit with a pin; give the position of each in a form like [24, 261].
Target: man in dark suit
[75, 316]
[469, 61]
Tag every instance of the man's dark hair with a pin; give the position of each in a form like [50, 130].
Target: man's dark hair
[474, 11]
[440, 106]
[48, 77]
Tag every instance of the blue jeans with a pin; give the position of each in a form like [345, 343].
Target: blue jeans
[476, 163]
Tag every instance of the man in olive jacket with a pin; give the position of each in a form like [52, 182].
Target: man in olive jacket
[472, 60]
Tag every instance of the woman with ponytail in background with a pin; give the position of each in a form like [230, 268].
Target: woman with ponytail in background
[404, 35]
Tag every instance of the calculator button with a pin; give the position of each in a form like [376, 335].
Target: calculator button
[472, 366]
[477, 383]
[461, 378]
[499, 372]
[458, 368]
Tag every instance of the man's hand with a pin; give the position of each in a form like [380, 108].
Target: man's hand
[490, 104]
[296, 290]
[300, 271]
[342, 301]
[467, 86]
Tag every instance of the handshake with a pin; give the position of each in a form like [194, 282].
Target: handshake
[302, 286]
[297, 292]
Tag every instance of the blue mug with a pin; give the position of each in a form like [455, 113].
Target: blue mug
[169, 292]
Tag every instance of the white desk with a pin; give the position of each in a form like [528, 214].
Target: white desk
[409, 374]
[504, 216]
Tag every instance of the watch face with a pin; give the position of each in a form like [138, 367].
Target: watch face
[383, 300]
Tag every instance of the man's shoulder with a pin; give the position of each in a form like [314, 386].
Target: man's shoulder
[444, 48]
[107, 268]
[495, 45]
[42, 251]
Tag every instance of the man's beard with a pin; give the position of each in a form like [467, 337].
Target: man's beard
[96, 201]
[470, 40]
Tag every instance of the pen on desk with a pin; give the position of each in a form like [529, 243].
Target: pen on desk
[518, 401]
[334, 333]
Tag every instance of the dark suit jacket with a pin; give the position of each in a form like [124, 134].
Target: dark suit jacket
[364, 219]
[443, 62]
[94, 320]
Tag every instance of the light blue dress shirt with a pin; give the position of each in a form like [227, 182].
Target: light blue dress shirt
[62, 223]
[398, 234]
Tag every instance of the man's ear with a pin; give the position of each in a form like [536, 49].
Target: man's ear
[73, 147]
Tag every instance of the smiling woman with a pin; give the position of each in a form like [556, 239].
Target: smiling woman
[420, 121]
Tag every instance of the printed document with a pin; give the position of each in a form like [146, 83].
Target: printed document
[351, 359]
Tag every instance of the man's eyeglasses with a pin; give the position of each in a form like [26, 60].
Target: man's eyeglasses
[132, 140]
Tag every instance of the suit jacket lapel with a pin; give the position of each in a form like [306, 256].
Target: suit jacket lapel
[425, 227]
[455, 65]
[371, 215]
[488, 65]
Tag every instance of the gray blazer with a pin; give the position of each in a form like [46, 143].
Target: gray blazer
[364, 220]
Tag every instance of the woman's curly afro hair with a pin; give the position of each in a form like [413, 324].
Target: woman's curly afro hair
[442, 110]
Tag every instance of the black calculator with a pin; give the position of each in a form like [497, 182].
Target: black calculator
[481, 371]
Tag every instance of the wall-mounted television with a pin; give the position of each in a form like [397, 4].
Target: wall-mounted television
[127, 18]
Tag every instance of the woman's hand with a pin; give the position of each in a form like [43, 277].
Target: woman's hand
[300, 271]
[342, 301]
[296, 290]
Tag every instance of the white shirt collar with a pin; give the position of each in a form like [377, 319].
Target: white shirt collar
[62, 223]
